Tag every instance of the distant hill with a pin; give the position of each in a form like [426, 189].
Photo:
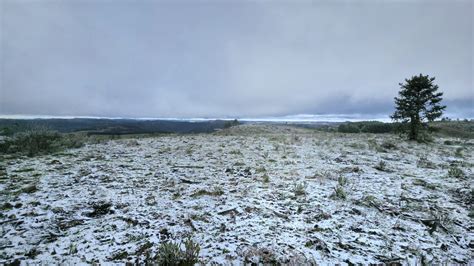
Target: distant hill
[111, 126]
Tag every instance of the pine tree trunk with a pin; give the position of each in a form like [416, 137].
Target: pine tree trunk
[413, 135]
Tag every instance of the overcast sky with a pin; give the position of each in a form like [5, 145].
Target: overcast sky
[229, 58]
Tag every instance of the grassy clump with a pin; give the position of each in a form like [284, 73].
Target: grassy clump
[172, 254]
[423, 162]
[388, 145]
[381, 166]
[265, 178]
[339, 193]
[235, 152]
[370, 201]
[455, 172]
[342, 180]
[202, 192]
[299, 189]
[261, 170]
[459, 152]
[423, 183]
[39, 141]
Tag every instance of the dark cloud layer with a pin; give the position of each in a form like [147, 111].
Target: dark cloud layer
[232, 58]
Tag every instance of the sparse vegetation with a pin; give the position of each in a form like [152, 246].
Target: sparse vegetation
[370, 201]
[458, 152]
[342, 181]
[389, 145]
[325, 182]
[261, 170]
[299, 189]
[381, 166]
[235, 152]
[423, 162]
[40, 141]
[202, 192]
[455, 172]
[171, 254]
[339, 193]
[265, 178]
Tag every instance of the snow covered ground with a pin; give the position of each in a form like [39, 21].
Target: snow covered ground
[254, 193]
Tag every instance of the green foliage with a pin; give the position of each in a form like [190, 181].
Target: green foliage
[455, 172]
[171, 254]
[229, 124]
[39, 141]
[348, 128]
[339, 193]
[342, 180]
[7, 131]
[265, 178]
[418, 101]
[367, 127]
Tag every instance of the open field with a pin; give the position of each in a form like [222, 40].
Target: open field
[254, 193]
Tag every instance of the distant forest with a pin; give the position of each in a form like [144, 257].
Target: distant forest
[110, 126]
[8, 127]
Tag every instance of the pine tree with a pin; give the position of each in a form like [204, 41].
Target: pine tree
[418, 101]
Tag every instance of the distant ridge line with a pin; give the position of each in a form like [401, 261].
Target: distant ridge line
[289, 118]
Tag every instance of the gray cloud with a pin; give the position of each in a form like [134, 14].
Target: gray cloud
[188, 59]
